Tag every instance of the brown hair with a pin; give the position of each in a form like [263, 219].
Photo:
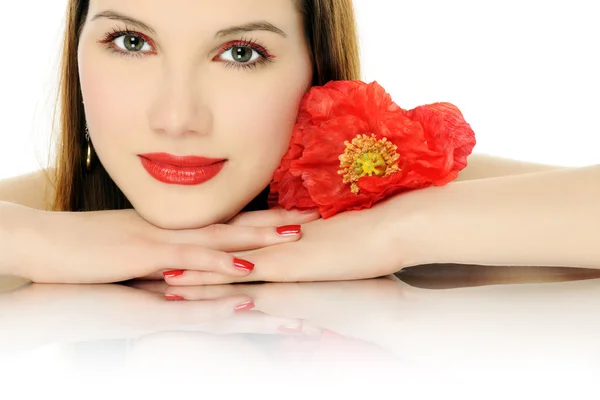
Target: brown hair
[331, 32]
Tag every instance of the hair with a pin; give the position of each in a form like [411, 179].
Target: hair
[330, 28]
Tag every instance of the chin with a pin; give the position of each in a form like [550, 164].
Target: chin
[182, 217]
[177, 208]
[179, 220]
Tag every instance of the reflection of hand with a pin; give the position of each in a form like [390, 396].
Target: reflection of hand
[466, 325]
[355, 309]
[39, 314]
[334, 314]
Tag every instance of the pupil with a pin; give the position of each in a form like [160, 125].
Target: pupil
[242, 54]
[133, 43]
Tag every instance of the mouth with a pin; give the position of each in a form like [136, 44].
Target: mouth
[181, 170]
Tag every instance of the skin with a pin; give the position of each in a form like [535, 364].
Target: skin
[182, 97]
[500, 214]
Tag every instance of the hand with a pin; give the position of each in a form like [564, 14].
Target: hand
[251, 230]
[114, 246]
[349, 246]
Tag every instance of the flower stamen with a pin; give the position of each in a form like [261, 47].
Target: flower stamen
[367, 156]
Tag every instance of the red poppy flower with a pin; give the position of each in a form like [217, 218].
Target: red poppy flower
[352, 146]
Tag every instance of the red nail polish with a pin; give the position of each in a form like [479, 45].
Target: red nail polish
[244, 265]
[290, 329]
[173, 274]
[249, 305]
[289, 230]
[173, 297]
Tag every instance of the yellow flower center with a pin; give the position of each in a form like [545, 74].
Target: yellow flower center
[367, 156]
[369, 164]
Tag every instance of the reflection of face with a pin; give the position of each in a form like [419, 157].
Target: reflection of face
[183, 90]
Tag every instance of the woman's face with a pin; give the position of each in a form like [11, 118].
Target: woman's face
[216, 79]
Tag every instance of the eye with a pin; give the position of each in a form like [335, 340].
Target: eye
[126, 42]
[132, 43]
[241, 54]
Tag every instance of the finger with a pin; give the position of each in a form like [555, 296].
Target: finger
[221, 305]
[275, 217]
[158, 275]
[236, 238]
[194, 293]
[282, 263]
[240, 301]
[182, 312]
[178, 259]
[199, 278]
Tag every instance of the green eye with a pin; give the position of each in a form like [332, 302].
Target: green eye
[132, 43]
[241, 54]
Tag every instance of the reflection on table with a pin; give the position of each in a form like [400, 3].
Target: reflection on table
[529, 324]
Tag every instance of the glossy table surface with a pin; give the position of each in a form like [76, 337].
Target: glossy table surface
[481, 332]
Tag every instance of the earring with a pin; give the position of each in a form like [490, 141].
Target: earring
[88, 160]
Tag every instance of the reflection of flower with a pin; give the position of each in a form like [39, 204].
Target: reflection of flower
[353, 146]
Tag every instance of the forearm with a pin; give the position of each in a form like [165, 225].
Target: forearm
[482, 166]
[540, 219]
[5, 239]
[15, 230]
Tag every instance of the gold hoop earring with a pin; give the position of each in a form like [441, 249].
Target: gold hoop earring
[88, 160]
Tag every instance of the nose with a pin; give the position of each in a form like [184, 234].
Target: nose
[179, 108]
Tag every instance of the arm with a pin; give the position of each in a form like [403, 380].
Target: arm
[29, 190]
[16, 234]
[548, 218]
[25, 191]
[485, 166]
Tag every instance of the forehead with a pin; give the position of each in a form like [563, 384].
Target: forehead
[201, 14]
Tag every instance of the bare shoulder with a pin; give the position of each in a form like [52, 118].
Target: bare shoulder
[33, 190]
[481, 166]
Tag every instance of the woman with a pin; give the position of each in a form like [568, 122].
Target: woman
[147, 83]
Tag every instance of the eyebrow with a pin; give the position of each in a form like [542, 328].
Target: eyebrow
[251, 27]
[233, 30]
[124, 18]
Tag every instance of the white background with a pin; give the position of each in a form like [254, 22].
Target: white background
[524, 73]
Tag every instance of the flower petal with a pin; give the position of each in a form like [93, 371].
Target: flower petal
[449, 135]
[433, 143]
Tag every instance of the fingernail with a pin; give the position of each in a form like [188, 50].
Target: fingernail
[173, 297]
[249, 305]
[289, 230]
[310, 211]
[243, 265]
[173, 274]
[294, 329]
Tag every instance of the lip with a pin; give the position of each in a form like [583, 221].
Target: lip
[181, 170]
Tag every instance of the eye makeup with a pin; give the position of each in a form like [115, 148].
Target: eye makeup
[264, 57]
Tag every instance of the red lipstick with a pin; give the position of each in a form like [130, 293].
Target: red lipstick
[181, 170]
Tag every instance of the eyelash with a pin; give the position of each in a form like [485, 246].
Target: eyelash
[265, 57]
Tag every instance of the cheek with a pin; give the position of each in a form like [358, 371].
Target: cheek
[110, 92]
[258, 125]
